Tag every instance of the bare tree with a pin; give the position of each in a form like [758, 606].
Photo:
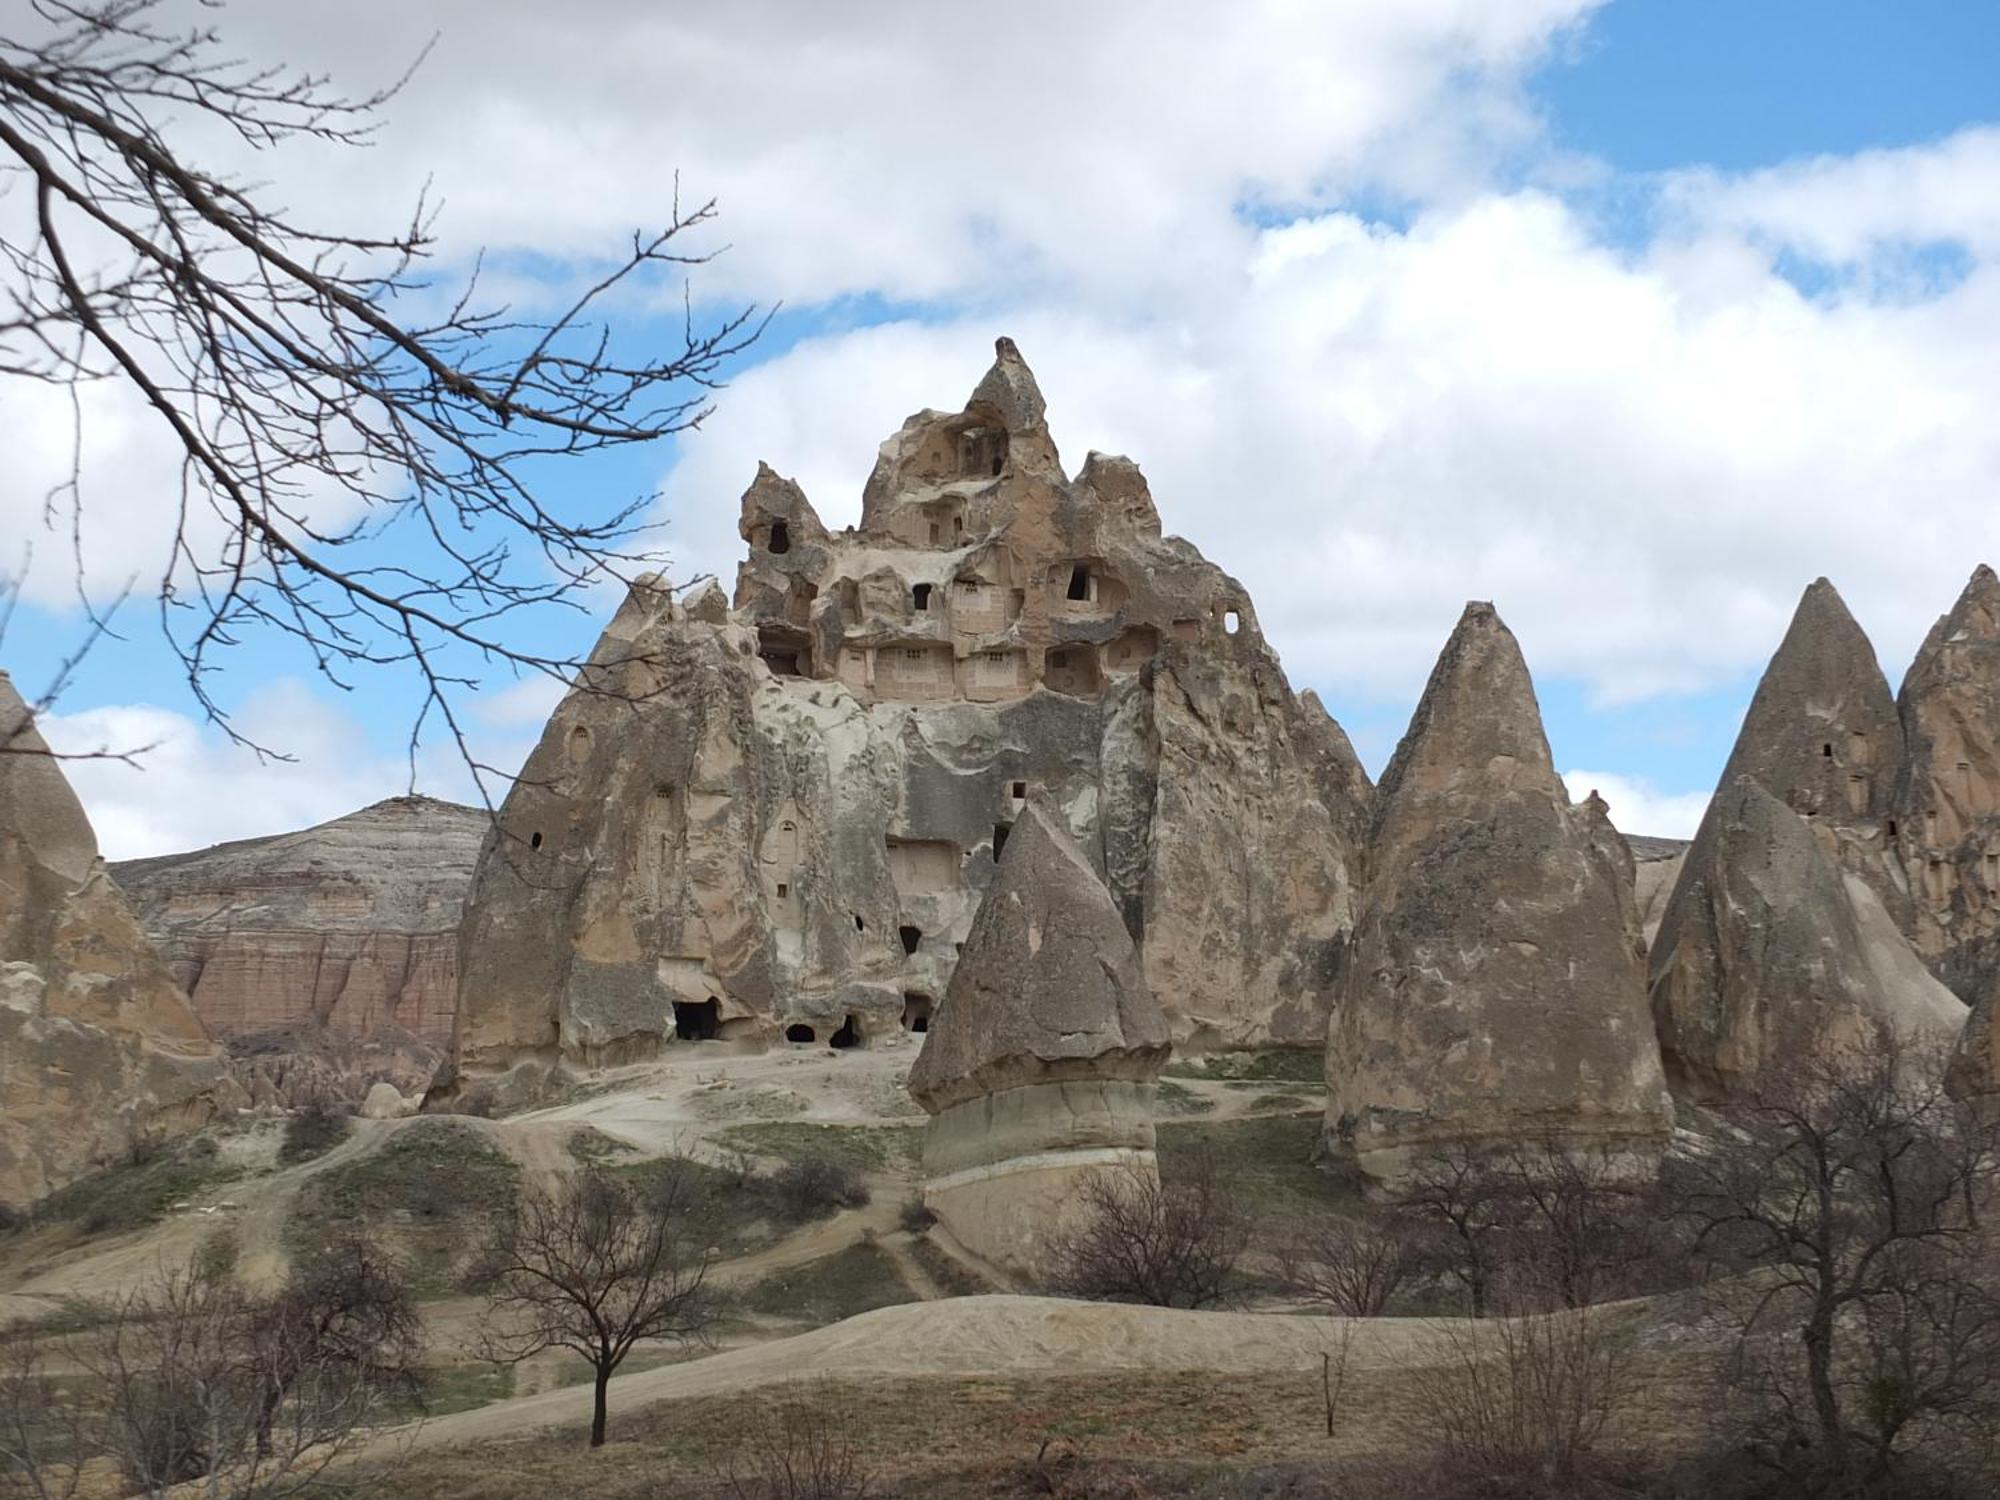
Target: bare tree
[595, 1267]
[317, 388]
[1579, 1221]
[1352, 1266]
[1138, 1239]
[1849, 1194]
[194, 1381]
[1461, 1210]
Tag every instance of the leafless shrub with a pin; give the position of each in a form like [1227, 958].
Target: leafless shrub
[1577, 1222]
[1350, 1265]
[193, 1379]
[814, 1185]
[595, 1267]
[797, 1448]
[915, 1216]
[1523, 1401]
[1137, 1239]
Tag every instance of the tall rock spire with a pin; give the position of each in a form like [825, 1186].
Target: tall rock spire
[1947, 813]
[1495, 990]
[98, 1047]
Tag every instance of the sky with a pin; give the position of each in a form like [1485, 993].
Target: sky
[1632, 317]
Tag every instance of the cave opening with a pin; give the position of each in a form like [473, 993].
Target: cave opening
[801, 1033]
[781, 537]
[917, 1013]
[911, 936]
[697, 1020]
[849, 1035]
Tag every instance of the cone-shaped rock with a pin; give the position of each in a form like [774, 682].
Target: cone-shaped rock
[98, 1047]
[1040, 1064]
[1946, 823]
[1770, 951]
[1049, 985]
[1495, 993]
[1821, 734]
[1823, 744]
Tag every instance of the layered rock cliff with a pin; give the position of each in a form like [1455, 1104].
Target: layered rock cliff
[99, 1049]
[1496, 989]
[350, 926]
[777, 817]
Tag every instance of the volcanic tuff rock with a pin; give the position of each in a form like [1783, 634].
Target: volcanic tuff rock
[1495, 989]
[1946, 824]
[98, 1048]
[326, 952]
[1040, 1064]
[1771, 951]
[1789, 921]
[779, 816]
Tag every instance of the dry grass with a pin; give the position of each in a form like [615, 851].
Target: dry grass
[954, 1439]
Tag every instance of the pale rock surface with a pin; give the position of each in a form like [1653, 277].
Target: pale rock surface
[385, 1102]
[1787, 930]
[98, 1047]
[1946, 823]
[777, 816]
[326, 958]
[1039, 1067]
[1496, 988]
[1771, 952]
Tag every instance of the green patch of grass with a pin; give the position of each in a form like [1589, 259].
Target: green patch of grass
[867, 1148]
[436, 1186]
[953, 1279]
[731, 1213]
[837, 1286]
[1177, 1099]
[462, 1387]
[1266, 1162]
[593, 1147]
[311, 1132]
[139, 1190]
[1276, 1065]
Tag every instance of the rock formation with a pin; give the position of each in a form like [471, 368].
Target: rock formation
[1495, 991]
[1945, 825]
[778, 817]
[98, 1048]
[328, 957]
[1788, 925]
[1771, 951]
[1656, 866]
[1039, 1066]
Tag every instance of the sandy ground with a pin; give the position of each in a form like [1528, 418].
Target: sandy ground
[972, 1336]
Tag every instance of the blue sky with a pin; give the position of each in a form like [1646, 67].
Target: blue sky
[1633, 317]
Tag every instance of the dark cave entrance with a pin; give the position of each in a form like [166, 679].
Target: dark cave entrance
[697, 1020]
[848, 1035]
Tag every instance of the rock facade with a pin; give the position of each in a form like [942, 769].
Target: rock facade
[1823, 854]
[1038, 1069]
[777, 817]
[99, 1049]
[1496, 989]
[327, 958]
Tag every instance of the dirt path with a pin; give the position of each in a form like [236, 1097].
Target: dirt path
[971, 1336]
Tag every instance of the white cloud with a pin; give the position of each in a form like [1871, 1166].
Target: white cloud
[188, 786]
[1639, 807]
[1846, 209]
[1642, 458]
